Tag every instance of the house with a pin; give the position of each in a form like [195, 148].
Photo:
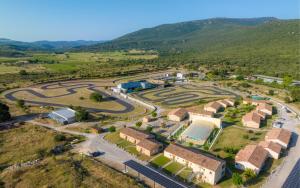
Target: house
[147, 119]
[132, 86]
[178, 114]
[279, 136]
[134, 136]
[230, 101]
[63, 115]
[262, 114]
[180, 75]
[251, 157]
[252, 120]
[144, 142]
[224, 103]
[208, 168]
[149, 147]
[213, 107]
[254, 102]
[266, 108]
[272, 148]
[204, 113]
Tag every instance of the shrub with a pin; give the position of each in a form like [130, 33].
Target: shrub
[59, 137]
[96, 97]
[112, 129]
[271, 92]
[249, 174]
[245, 136]
[138, 124]
[81, 114]
[20, 103]
[154, 114]
[149, 129]
[230, 150]
[237, 179]
[4, 113]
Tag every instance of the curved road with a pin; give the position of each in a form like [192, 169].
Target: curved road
[71, 89]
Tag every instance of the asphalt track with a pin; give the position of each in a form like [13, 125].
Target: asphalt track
[167, 96]
[71, 89]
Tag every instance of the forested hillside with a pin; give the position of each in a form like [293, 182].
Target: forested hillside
[261, 45]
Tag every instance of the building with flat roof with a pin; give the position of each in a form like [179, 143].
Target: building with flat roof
[129, 87]
[63, 115]
[251, 157]
[208, 168]
[279, 136]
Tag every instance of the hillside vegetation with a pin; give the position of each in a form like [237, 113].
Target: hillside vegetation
[260, 45]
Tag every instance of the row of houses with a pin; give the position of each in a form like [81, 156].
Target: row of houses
[216, 106]
[254, 156]
[145, 143]
[254, 118]
[207, 167]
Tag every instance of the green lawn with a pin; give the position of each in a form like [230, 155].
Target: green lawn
[185, 173]
[173, 168]
[160, 161]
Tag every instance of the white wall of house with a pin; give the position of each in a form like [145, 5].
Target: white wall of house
[215, 121]
[243, 165]
[272, 154]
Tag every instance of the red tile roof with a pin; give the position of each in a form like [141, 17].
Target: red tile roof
[254, 154]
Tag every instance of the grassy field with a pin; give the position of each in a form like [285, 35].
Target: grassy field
[173, 168]
[22, 144]
[70, 61]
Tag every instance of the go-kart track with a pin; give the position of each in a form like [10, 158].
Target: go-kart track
[183, 94]
[70, 88]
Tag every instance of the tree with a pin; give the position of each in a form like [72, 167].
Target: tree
[163, 125]
[287, 81]
[59, 138]
[138, 124]
[149, 129]
[295, 94]
[81, 114]
[240, 77]
[112, 129]
[20, 103]
[271, 92]
[23, 72]
[154, 114]
[96, 97]
[237, 179]
[4, 113]
[249, 174]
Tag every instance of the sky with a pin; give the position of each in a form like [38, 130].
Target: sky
[32, 20]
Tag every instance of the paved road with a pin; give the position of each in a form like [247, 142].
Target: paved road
[71, 88]
[284, 174]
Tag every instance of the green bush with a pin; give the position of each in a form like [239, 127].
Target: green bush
[81, 114]
[59, 137]
[237, 179]
[4, 113]
[112, 129]
[138, 124]
[96, 97]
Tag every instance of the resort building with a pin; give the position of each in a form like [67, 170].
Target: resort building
[213, 107]
[266, 108]
[203, 113]
[262, 114]
[251, 157]
[149, 147]
[279, 136]
[230, 101]
[144, 142]
[254, 102]
[252, 120]
[147, 119]
[224, 103]
[178, 114]
[129, 87]
[209, 169]
[272, 148]
[63, 115]
[133, 135]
